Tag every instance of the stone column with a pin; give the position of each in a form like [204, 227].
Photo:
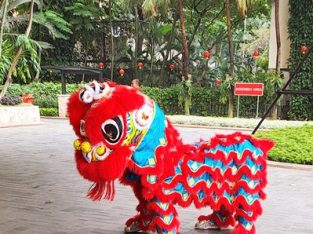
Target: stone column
[62, 104]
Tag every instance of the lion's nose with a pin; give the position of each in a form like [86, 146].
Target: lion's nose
[92, 153]
[86, 147]
[101, 150]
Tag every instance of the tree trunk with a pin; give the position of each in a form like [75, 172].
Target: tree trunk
[4, 7]
[200, 81]
[186, 73]
[39, 50]
[38, 71]
[278, 42]
[168, 48]
[278, 52]
[152, 58]
[244, 40]
[112, 41]
[231, 70]
[136, 44]
[140, 36]
[18, 54]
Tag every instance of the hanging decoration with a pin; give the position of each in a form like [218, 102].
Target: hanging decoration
[140, 65]
[121, 72]
[256, 53]
[206, 55]
[218, 82]
[304, 49]
[172, 66]
[101, 65]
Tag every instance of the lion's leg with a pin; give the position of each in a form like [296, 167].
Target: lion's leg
[248, 206]
[245, 223]
[142, 219]
[218, 219]
[165, 219]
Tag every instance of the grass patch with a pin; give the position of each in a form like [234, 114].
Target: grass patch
[48, 111]
[293, 145]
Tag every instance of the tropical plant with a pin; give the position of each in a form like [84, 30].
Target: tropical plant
[243, 6]
[28, 61]
[23, 43]
[4, 7]
[151, 8]
[231, 70]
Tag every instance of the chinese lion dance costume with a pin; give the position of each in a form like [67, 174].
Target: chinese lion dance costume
[123, 135]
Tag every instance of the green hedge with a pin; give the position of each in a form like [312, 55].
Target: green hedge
[45, 93]
[205, 101]
[167, 98]
[49, 111]
[301, 34]
[293, 145]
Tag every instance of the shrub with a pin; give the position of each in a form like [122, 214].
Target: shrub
[167, 98]
[205, 101]
[46, 102]
[293, 145]
[45, 93]
[48, 111]
[10, 100]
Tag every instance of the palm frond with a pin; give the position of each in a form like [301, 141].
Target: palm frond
[58, 20]
[242, 7]
[149, 8]
[14, 4]
[54, 23]
[43, 45]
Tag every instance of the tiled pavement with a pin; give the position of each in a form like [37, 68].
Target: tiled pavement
[41, 191]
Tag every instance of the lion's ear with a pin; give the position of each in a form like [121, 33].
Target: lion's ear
[76, 111]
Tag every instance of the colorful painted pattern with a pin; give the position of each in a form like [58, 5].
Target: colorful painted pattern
[227, 174]
[145, 156]
[137, 145]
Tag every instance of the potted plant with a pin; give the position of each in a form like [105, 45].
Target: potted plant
[27, 98]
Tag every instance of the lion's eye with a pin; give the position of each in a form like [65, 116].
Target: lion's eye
[112, 130]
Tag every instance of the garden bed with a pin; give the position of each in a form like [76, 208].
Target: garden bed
[293, 145]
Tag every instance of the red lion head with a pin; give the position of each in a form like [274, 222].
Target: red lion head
[98, 114]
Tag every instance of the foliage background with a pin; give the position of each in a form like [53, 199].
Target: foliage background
[206, 102]
[78, 33]
[301, 33]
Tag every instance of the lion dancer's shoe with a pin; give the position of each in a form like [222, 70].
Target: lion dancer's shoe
[139, 222]
[216, 220]
[133, 224]
[222, 219]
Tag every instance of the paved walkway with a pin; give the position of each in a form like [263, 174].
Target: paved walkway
[41, 191]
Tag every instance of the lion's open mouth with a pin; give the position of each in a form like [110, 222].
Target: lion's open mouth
[92, 153]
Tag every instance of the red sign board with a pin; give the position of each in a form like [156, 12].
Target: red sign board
[249, 89]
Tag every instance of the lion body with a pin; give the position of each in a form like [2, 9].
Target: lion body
[226, 173]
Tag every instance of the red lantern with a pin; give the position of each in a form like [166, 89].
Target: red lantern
[256, 53]
[101, 65]
[304, 49]
[172, 66]
[140, 65]
[218, 82]
[122, 72]
[207, 54]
